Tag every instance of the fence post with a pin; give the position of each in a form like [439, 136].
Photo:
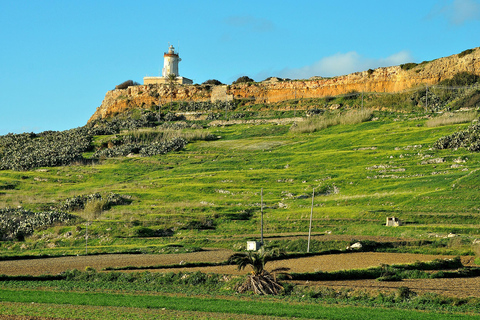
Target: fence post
[311, 218]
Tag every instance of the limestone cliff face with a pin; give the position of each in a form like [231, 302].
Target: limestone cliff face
[389, 79]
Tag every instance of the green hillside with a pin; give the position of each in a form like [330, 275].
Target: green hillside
[208, 193]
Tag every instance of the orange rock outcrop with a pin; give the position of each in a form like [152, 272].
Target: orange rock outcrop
[388, 79]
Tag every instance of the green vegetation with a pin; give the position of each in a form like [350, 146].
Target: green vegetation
[466, 52]
[408, 66]
[154, 182]
[326, 120]
[452, 118]
[201, 292]
[397, 272]
[468, 138]
[208, 193]
[243, 79]
[260, 281]
[461, 79]
[248, 307]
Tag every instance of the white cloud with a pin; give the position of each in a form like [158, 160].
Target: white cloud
[459, 11]
[344, 63]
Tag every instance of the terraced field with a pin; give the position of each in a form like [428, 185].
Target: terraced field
[466, 287]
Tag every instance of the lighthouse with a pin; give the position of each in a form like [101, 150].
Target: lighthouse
[170, 62]
[170, 66]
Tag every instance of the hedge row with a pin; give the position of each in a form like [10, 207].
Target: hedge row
[59, 148]
[15, 224]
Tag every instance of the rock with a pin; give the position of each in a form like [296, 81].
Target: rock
[385, 79]
[355, 246]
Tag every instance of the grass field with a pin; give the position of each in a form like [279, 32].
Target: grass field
[210, 191]
[49, 300]
[209, 195]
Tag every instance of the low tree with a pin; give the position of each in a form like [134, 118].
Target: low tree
[260, 281]
[243, 79]
[214, 82]
[126, 84]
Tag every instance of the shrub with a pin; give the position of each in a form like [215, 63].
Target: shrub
[94, 208]
[404, 293]
[126, 84]
[466, 52]
[469, 139]
[214, 82]
[19, 223]
[408, 66]
[351, 95]
[468, 101]
[163, 147]
[202, 224]
[47, 149]
[461, 79]
[81, 202]
[243, 79]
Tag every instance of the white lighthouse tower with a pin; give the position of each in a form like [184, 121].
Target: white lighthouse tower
[170, 62]
[170, 66]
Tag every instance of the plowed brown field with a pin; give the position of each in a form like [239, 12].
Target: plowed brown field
[452, 287]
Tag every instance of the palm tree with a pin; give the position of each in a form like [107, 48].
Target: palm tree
[260, 281]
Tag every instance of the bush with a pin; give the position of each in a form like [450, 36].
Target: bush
[461, 79]
[469, 139]
[214, 82]
[148, 232]
[163, 147]
[408, 66]
[16, 224]
[404, 293]
[466, 52]
[126, 84]
[243, 79]
[81, 202]
[48, 149]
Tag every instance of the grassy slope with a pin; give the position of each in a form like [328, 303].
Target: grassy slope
[378, 168]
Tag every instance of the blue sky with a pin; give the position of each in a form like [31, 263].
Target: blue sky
[58, 58]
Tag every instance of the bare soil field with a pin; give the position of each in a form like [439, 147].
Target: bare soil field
[459, 287]
[60, 264]
[452, 287]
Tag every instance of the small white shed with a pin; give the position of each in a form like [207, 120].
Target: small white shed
[393, 222]
[253, 245]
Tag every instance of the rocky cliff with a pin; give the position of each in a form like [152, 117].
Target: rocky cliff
[389, 79]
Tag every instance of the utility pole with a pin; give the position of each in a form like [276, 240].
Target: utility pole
[311, 218]
[261, 210]
[86, 238]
